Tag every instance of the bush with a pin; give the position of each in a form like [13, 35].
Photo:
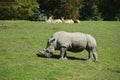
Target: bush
[38, 15]
[117, 17]
[17, 9]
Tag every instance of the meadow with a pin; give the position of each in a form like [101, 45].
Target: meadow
[21, 40]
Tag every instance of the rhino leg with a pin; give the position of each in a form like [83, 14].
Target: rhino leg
[92, 54]
[95, 55]
[63, 54]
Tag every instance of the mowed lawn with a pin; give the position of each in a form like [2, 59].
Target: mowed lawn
[21, 40]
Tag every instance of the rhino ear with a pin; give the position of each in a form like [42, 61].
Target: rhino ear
[52, 40]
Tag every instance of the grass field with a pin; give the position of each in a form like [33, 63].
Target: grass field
[20, 41]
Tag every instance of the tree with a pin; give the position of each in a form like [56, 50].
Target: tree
[89, 10]
[110, 9]
[17, 9]
[61, 8]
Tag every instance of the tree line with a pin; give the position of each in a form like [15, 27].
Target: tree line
[69, 9]
[17, 9]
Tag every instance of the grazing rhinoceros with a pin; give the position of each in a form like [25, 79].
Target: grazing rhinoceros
[74, 42]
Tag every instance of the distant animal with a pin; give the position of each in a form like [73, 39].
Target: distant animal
[76, 21]
[56, 21]
[74, 42]
[67, 20]
[51, 20]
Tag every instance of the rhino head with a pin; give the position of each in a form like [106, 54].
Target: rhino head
[45, 53]
[48, 51]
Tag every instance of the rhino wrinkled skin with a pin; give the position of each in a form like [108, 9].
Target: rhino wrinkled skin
[74, 42]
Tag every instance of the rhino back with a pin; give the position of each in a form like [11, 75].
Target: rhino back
[73, 41]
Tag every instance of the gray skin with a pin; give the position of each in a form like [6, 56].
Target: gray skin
[74, 42]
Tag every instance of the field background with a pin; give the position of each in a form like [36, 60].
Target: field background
[21, 40]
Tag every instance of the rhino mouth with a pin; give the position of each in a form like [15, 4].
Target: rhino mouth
[48, 55]
[45, 54]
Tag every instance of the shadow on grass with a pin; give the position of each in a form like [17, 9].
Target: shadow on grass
[116, 71]
[68, 57]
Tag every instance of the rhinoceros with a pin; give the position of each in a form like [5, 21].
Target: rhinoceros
[74, 42]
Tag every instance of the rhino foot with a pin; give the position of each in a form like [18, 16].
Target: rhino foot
[65, 58]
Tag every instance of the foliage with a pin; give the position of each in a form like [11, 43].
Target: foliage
[61, 8]
[110, 9]
[83, 9]
[21, 40]
[90, 10]
[39, 15]
[69, 9]
[117, 16]
[17, 9]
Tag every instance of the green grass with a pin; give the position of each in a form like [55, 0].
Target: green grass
[20, 41]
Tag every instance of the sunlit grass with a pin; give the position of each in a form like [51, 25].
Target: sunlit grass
[20, 41]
